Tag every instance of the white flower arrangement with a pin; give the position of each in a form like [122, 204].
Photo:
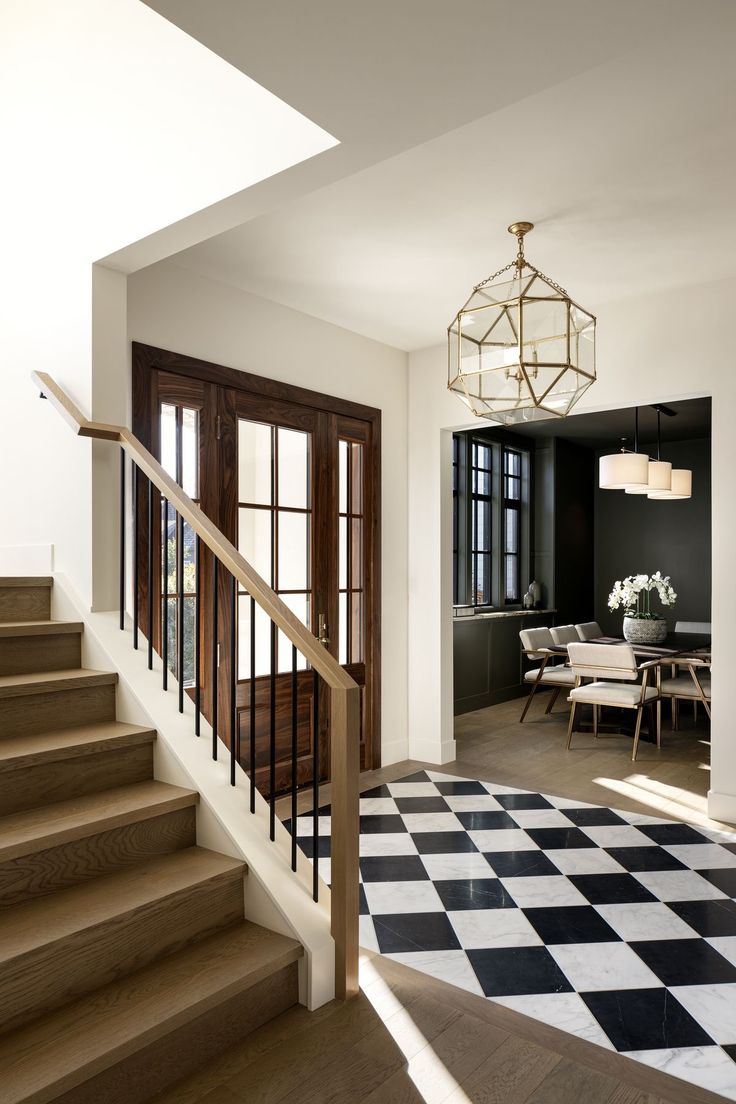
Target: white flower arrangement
[633, 593]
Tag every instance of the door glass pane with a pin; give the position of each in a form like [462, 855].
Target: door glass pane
[189, 451]
[343, 543]
[356, 627]
[263, 640]
[254, 462]
[351, 612]
[293, 468]
[343, 629]
[356, 469]
[254, 540]
[293, 551]
[342, 453]
[298, 604]
[168, 439]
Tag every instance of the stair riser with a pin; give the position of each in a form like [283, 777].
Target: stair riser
[25, 604]
[69, 967]
[182, 1050]
[77, 861]
[30, 714]
[20, 655]
[40, 783]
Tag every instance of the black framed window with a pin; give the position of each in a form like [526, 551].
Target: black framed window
[511, 525]
[481, 546]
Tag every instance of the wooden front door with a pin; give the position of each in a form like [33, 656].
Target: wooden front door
[291, 477]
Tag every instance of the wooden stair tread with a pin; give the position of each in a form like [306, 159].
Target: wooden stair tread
[68, 743]
[40, 628]
[67, 912]
[40, 682]
[26, 581]
[62, 1050]
[48, 826]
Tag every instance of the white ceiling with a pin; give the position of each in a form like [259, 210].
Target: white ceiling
[609, 125]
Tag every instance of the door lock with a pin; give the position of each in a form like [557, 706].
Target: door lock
[322, 630]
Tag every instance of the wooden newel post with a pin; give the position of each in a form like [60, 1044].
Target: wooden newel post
[345, 773]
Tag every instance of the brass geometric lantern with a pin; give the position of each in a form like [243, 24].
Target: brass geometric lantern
[520, 349]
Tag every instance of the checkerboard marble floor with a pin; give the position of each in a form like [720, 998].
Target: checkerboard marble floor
[616, 927]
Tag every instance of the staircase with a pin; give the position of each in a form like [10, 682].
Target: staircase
[125, 957]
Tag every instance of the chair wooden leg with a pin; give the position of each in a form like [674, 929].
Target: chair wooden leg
[659, 723]
[675, 715]
[552, 700]
[532, 692]
[595, 721]
[695, 710]
[571, 724]
[637, 733]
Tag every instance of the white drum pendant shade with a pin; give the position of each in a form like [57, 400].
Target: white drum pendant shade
[660, 478]
[621, 470]
[681, 486]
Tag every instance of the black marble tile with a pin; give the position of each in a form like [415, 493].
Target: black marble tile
[324, 846]
[485, 820]
[570, 924]
[443, 843]
[645, 1019]
[514, 971]
[707, 918]
[457, 789]
[473, 893]
[393, 868]
[372, 823]
[670, 835]
[589, 818]
[557, 839]
[724, 878]
[422, 805]
[523, 801]
[645, 858]
[418, 776]
[377, 791]
[520, 864]
[363, 902]
[611, 889]
[730, 1050]
[685, 962]
[401, 932]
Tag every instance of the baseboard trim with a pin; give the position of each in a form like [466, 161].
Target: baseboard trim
[394, 752]
[427, 751]
[722, 806]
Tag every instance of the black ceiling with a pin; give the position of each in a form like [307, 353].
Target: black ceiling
[692, 420]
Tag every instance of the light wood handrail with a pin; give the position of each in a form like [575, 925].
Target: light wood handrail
[344, 691]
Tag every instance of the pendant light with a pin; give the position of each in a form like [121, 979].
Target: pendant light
[620, 471]
[681, 486]
[660, 471]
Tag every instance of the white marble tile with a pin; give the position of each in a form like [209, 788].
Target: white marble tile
[584, 860]
[437, 776]
[678, 885]
[412, 789]
[367, 934]
[473, 803]
[451, 966]
[617, 835]
[601, 966]
[468, 865]
[497, 788]
[387, 843]
[479, 928]
[390, 897]
[324, 869]
[640, 818]
[372, 806]
[502, 839]
[432, 822]
[566, 1011]
[568, 803]
[708, 1067]
[713, 1006]
[540, 818]
[718, 835]
[305, 827]
[547, 891]
[725, 945]
[702, 856]
[640, 921]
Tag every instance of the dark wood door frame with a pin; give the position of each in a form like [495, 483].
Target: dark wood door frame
[147, 359]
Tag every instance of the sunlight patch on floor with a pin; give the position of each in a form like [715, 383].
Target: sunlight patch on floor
[662, 799]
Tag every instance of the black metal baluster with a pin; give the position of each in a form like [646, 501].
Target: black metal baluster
[122, 539]
[315, 787]
[134, 496]
[214, 655]
[197, 631]
[150, 575]
[180, 607]
[272, 734]
[165, 596]
[252, 705]
[234, 749]
[294, 689]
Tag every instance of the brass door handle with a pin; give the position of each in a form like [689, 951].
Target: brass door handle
[322, 630]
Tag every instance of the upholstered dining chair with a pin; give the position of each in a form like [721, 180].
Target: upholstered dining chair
[536, 645]
[690, 683]
[564, 634]
[693, 627]
[589, 630]
[611, 666]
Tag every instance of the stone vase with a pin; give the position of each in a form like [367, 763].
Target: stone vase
[639, 630]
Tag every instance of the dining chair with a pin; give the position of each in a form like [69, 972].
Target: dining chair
[611, 666]
[693, 627]
[693, 686]
[564, 634]
[589, 630]
[537, 644]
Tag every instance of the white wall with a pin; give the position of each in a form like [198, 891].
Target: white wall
[664, 348]
[175, 309]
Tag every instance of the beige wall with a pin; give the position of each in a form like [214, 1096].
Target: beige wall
[175, 309]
